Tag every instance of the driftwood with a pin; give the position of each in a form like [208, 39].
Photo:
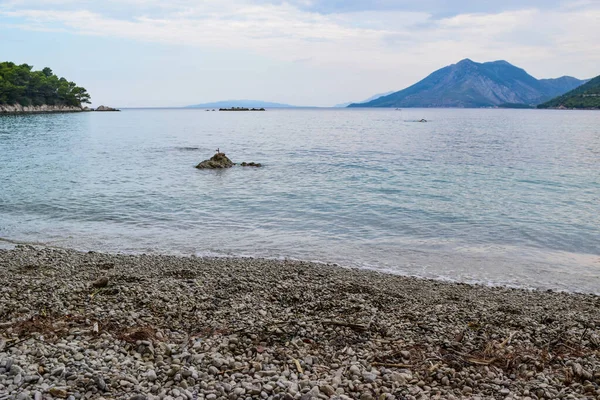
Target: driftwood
[356, 327]
[380, 364]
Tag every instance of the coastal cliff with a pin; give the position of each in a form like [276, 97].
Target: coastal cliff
[19, 109]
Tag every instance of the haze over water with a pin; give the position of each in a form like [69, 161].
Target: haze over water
[493, 196]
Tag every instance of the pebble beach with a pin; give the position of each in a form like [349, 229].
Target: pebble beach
[87, 325]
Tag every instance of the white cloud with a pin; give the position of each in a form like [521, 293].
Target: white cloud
[545, 42]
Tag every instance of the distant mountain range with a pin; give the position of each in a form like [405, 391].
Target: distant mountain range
[472, 84]
[585, 96]
[241, 103]
[374, 97]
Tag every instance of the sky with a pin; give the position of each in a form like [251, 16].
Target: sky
[153, 53]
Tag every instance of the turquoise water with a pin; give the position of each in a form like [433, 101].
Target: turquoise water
[506, 197]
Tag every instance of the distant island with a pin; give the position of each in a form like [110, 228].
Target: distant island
[475, 85]
[24, 90]
[241, 103]
[586, 97]
[241, 109]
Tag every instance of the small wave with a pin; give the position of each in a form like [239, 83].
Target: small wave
[187, 148]
[10, 243]
[385, 269]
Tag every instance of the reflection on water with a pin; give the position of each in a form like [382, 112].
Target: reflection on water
[500, 196]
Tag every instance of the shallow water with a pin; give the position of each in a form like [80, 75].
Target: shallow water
[495, 196]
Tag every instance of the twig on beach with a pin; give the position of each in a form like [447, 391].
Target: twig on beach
[508, 339]
[380, 364]
[583, 335]
[95, 292]
[293, 342]
[388, 341]
[232, 370]
[298, 366]
[480, 362]
[434, 367]
[18, 342]
[470, 359]
[358, 327]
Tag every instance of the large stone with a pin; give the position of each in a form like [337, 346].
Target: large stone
[105, 108]
[251, 164]
[217, 161]
[100, 282]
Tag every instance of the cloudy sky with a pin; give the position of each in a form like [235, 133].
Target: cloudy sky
[301, 52]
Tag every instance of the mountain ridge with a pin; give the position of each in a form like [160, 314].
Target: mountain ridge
[469, 84]
[374, 97]
[586, 96]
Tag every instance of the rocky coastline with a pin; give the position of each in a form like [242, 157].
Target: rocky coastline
[19, 109]
[43, 109]
[86, 325]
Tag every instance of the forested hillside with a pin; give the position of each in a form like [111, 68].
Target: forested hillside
[19, 84]
[585, 96]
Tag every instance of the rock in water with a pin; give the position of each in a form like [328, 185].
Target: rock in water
[105, 108]
[251, 164]
[217, 161]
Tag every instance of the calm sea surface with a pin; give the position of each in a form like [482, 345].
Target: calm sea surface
[494, 196]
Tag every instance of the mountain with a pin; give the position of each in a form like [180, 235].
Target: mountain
[472, 84]
[585, 96]
[563, 84]
[374, 97]
[240, 103]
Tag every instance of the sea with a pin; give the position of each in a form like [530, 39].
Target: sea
[488, 196]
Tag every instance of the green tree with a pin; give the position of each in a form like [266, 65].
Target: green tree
[20, 84]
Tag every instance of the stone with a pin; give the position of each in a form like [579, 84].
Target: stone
[354, 370]
[101, 384]
[218, 161]
[100, 282]
[328, 390]
[369, 377]
[58, 392]
[106, 108]
[213, 370]
[151, 375]
[15, 369]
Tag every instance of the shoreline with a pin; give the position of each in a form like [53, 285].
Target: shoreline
[9, 244]
[116, 326]
[17, 109]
